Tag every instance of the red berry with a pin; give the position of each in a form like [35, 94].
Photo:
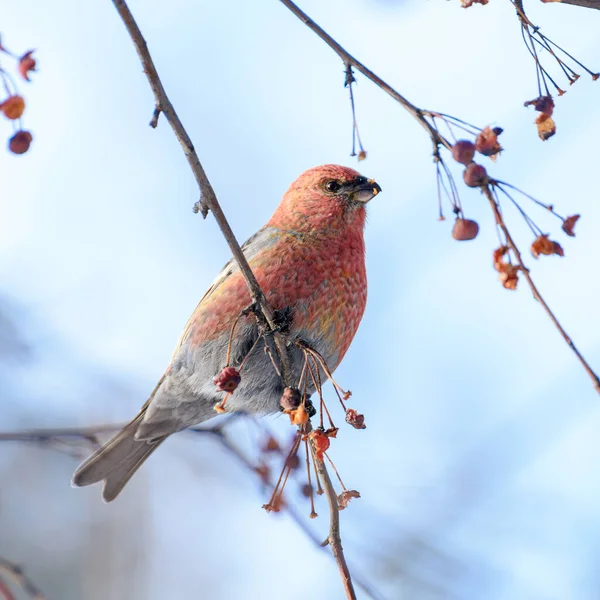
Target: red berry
[463, 151]
[465, 229]
[228, 379]
[13, 107]
[475, 175]
[307, 490]
[20, 142]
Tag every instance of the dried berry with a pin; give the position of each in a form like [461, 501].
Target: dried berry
[20, 142]
[13, 107]
[546, 126]
[228, 379]
[508, 273]
[463, 151]
[569, 223]
[546, 246]
[298, 416]
[26, 64]
[320, 442]
[290, 399]
[475, 175]
[345, 497]
[487, 142]
[543, 104]
[465, 229]
[355, 419]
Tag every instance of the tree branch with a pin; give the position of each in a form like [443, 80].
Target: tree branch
[15, 573]
[583, 3]
[536, 293]
[348, 59]
[437, 140]
[208, 198]
[54, 437]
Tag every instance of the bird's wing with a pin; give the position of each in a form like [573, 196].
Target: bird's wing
[262, 239]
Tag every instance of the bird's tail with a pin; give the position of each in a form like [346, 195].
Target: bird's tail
[119, 458]
[116, 461]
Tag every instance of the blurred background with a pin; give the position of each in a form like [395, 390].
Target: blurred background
[479, 467]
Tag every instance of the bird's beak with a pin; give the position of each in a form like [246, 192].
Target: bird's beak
[363, 189]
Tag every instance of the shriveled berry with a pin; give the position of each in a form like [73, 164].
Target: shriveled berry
[487, 142]
[298, 416]
[546, 126]
[290, 399]
[465, 229]
[26, 64]
[320, 442]
[345, 497]
[475, 175]
[20, 142]
[569, 223]
[544, 245]
[463, 151]
[355, 419]
[545, 104]
[228, 379]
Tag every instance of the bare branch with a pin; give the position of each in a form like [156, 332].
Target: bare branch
[583, 3]
[536, 293]
[15, 573]
[49, 436]
[208, 198]
[348, 59]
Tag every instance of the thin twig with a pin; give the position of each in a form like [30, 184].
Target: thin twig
[46, 435]
[348, 59]
[437, 139]
[536, 293]
[15, 573]
[333, 539]
[208, 198]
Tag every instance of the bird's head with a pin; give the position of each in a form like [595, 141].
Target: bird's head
[325, 197]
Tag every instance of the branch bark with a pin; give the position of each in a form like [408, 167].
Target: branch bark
[208, 199]
[583, 3]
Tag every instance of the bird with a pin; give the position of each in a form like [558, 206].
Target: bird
[309, 260]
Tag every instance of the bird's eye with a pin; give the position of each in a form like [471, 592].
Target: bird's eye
[333, 186]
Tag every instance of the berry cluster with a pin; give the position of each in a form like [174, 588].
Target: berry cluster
[13, 105]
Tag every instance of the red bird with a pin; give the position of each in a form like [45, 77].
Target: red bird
[309, 260]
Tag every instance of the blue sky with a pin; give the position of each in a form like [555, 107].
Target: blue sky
[482, 427]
